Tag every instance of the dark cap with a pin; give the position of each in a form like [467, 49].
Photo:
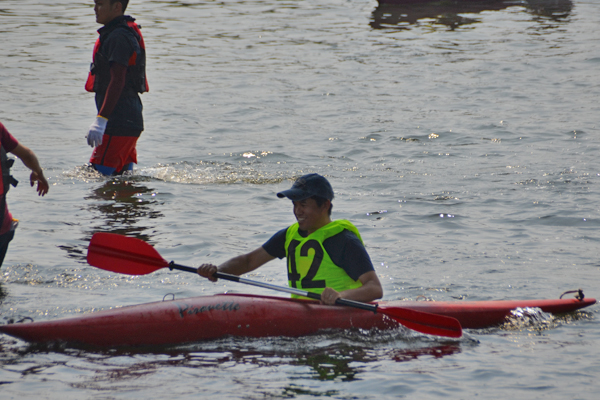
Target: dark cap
[307, 186]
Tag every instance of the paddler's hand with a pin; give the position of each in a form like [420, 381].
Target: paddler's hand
[94, 136]
[42, 183]
[208, 271]
[329, 296]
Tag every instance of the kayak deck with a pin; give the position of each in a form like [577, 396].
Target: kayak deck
[211, 317]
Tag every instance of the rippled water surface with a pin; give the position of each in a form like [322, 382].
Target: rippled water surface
[460, 137]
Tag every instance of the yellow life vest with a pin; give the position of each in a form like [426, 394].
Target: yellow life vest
[309, 266]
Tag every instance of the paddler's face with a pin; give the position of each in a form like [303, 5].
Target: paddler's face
[106, 12]
[310, 215]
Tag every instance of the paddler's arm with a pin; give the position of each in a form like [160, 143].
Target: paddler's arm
[238, 265]
[30, 160]
[114, 90]
[113, 93]
[369, 291]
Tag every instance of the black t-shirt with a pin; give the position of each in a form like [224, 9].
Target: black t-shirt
[345, 250]
[118, 45]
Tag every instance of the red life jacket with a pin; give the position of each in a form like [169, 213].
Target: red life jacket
[136, 65]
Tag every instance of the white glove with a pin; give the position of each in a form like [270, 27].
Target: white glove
[94, 136]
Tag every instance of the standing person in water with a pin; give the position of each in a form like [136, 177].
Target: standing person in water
[8, 144]
[323, 256]
[117, 75]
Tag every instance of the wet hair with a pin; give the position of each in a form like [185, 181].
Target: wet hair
[124, 3]
[320, 201]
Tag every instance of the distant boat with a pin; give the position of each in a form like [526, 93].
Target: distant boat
[395, 13]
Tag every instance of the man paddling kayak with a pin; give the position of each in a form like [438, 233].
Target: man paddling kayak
[323, 256]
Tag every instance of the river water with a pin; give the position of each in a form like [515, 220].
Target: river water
[462, 140]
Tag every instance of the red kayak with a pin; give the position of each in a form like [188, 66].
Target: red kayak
[212, 317]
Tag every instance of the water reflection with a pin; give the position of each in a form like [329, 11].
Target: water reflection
[401, 14]
[339, 362]
[120, 205]
[434, 351]
[556, 10]
[335, 362]
[123, 204]
[279, 367]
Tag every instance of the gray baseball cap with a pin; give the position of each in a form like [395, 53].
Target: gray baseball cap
[307, 186]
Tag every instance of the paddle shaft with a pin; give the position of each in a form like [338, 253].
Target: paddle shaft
[315, 296]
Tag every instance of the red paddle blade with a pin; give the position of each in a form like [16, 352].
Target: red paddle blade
[431, 324]
[123, 254]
